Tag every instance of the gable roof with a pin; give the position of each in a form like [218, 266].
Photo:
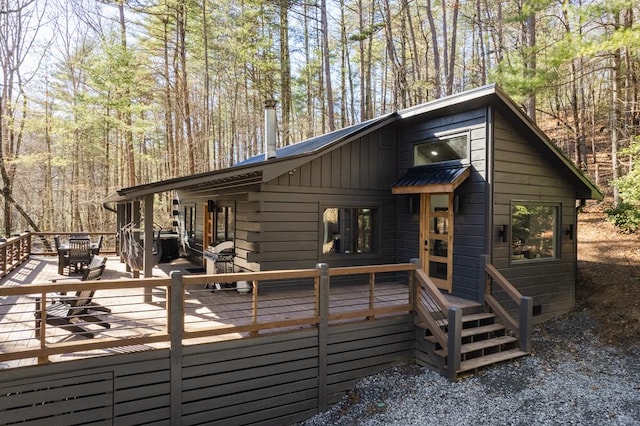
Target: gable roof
[257, 169]
[319, 143]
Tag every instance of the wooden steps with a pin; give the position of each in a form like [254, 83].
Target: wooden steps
[475, 363]
[482, 345]
[484, 342]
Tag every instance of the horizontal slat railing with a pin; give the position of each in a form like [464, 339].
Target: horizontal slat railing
[141, 309]
[522, 325]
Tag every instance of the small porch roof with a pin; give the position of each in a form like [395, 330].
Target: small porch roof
[432, 179]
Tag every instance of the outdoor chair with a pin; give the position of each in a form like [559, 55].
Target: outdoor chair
[95, 262]
[79, 253]
[99, 245]
[63, 255]
[72, 313]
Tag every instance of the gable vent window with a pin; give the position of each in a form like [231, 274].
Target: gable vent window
[349, 230]
[451, 148]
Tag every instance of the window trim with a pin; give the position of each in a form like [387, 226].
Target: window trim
[442, 137]
[226, 208]
[377, 233]
[557, 240]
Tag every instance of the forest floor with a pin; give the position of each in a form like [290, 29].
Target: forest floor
[609, 277]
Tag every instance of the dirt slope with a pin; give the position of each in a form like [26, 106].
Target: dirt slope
[609, 277]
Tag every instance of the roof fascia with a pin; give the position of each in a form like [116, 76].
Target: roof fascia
[178, 183]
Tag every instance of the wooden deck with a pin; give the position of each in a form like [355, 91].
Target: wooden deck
[142, 311]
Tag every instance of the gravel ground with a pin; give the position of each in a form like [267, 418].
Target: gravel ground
[571, 379]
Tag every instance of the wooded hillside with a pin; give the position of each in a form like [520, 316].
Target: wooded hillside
[96, 95]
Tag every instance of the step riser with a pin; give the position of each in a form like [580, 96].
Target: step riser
[483, 342]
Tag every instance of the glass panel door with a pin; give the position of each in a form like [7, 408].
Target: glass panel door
[436, 237]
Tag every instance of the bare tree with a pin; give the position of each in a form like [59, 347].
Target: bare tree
[19, 22]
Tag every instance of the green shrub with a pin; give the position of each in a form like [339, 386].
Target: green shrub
[625, 216]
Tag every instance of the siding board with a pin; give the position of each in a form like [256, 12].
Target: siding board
[521, 173]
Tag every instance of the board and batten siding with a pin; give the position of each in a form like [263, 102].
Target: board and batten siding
[281, 223]
[521, 173]
[470, 220]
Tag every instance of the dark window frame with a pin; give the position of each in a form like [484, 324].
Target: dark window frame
[224, 213]
[529, 242]
[347, 236]
[439, 140]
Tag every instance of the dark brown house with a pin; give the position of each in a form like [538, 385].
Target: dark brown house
[450, 182]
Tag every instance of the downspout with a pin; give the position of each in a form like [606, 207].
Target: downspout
[111, 209]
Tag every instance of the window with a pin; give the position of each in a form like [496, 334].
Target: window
[189, 221]
[225, 224]
[442, 149]
[349, 230]
[534, 231]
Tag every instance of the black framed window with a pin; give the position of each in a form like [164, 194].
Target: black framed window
[224, 224]
[349, 230]
[446, 148]
[534, 231]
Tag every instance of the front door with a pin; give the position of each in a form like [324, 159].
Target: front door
[436, 237]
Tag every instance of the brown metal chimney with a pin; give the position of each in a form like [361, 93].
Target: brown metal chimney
[269, 129]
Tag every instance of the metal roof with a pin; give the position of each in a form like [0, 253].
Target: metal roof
[292, 156]
[317, 143]
[432, 178]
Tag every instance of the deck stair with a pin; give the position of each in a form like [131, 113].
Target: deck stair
[484, 341]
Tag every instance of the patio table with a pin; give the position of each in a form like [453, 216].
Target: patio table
[63, 250]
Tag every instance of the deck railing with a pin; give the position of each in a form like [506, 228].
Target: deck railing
[185, 309]
[432, 307]
[13, 252]
[16, 249]
[495, 282]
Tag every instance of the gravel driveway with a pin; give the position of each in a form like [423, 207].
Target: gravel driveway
[571, 379]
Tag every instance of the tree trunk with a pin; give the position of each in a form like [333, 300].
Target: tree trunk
[326, 56]
[437, 62]
[181, 28]
[529, 35]
[131, 165]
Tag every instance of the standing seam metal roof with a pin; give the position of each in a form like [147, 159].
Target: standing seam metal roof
[431, 175]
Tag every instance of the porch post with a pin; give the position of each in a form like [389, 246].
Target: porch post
[323, 334]
[148, 244]
[136, 233]
[176, 326]
[526, 319]
[454, 341]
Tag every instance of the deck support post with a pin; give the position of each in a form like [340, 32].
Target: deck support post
[454, 341]
[323, 335]
[148, 244]
[135, 218]
[176, 327]
[526, 327]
